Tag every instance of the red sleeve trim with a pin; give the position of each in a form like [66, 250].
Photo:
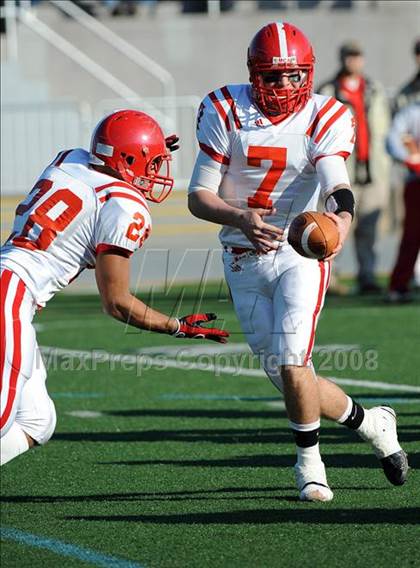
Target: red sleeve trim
[135, 192]
[228, 97]
[115, 184]
[220, 109]
[319, 115]
[103, 247]
[343, 154]
[330, 122]
[121, 195]
[214, 155]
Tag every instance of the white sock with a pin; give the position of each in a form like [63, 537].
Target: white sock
[13, 443]
[347, 412]
[308, 456]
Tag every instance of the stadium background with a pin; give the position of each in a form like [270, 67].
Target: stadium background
[52, 96]
[167, 453]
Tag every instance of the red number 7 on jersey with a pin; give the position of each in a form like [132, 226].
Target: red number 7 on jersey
[278, 156]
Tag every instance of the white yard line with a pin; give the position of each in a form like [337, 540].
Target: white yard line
[140, 360]
[196, 350]
[85, 413]
[70, 324]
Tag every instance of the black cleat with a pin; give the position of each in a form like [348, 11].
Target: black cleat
[396, 467]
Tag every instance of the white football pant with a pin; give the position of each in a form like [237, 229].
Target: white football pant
[24, 397]
[278, 298]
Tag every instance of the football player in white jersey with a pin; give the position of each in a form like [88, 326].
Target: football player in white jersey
[270, 150]
[87, 209]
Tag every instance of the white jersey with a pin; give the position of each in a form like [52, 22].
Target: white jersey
[266, 164]
[72, 213]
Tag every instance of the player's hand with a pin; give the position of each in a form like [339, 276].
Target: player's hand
[263, 236]
[192, 327]
[343, 222]
[172, 142]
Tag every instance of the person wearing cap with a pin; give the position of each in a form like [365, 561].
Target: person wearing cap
[403, 144]
[369, 165]
[410, 92]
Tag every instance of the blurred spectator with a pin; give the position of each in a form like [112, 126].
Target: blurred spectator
[369, 165]
[89, 6]
[411, 91]
[2, 18]
[128, 7]
[201, 6]
[342, 4]
[307, 4]
[403, 143]
[272, 4]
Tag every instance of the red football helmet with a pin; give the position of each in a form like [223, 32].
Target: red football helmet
[132, 143]
[280, 46]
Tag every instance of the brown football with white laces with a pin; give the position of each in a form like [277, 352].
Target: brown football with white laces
[313, 235]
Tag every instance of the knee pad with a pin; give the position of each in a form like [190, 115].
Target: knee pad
[46, 425]
[36, 413]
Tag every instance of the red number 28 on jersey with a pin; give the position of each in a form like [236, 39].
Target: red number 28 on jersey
[70, 206]
[278, 156]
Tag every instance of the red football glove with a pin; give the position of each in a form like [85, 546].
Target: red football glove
[171, 142]
[191, 327]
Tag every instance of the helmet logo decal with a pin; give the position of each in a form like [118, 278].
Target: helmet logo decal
[104, 149]
[284, 51]
[291, 60]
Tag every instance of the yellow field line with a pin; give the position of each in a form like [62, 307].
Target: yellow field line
[164, 231]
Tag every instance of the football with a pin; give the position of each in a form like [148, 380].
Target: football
[313, 235]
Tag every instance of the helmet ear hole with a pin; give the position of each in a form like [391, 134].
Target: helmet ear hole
[129, 159]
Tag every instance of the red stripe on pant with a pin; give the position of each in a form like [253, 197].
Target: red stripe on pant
[5, 278]
[17, 352]
[321, 291]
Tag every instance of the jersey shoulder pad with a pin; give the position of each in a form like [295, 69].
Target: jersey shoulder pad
[222, 105]
[122, 193]
[219, 116]
[331, 128]
[124, 220]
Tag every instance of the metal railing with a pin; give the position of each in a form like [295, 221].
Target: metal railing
[128, 50]
[33, 133]
[27, 17]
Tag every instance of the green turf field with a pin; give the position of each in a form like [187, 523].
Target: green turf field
[168, 467]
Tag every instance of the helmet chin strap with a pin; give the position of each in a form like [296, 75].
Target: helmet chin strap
[123, 172]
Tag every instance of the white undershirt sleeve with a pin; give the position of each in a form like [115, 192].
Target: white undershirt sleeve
[207, 174]
[332, 172]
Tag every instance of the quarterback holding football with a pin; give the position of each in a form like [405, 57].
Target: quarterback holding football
[87, 210]
[269, 151]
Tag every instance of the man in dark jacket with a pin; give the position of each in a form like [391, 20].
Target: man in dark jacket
[410, 93]
[369, 165]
